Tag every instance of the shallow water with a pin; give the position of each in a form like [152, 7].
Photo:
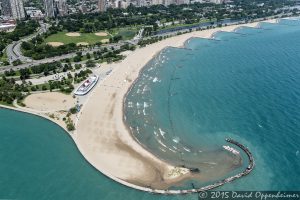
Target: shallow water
[243, 85]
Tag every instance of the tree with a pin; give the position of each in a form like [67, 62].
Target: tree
[11, 72]
[26, 45]
[88, 56]
[116, 38]
[16, 62]
[33, 88]
[70, 126]
[77, 59]
[73, 110]
[70, 75]
[90, 64]
[79, 54]
[24, 73]
[44, 87]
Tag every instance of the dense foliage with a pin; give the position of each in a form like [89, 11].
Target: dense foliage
[36, 49]
[22, 29]
[188, 14]
[151, 18]
[45, 69]
[9, 90]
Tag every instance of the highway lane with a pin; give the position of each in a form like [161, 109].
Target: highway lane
[37, 62]
[115, 46]
[57, 58]
[13, 50]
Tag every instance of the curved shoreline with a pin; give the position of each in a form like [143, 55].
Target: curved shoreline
[157, 191]
[125, 74]
[221, 182]
[88, 136]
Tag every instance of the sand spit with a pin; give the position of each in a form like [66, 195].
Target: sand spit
[103, 138]
[102, 135]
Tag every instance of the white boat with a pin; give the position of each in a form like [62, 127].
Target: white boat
[87, 85]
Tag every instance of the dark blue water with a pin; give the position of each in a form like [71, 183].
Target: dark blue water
[244, 85]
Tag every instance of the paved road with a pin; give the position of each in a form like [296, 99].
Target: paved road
[37, 62]
[13, 50]
[175, 31]
[57, 58]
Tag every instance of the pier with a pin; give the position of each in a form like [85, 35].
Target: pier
[249, 168]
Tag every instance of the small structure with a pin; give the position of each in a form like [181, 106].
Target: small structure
[87, 85]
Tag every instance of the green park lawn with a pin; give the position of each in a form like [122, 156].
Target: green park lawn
[90, 38]
[4, 58]
[126, 33]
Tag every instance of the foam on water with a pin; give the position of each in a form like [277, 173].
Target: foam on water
[230, 87]
[162, 133]
[155, 79]
[242, 85]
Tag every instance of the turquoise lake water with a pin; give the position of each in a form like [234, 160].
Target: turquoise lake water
[244, 85]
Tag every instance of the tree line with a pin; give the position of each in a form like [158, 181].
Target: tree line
[37, 50]
[22, 29]
[149, 16]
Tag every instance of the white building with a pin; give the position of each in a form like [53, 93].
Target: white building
[34, 13]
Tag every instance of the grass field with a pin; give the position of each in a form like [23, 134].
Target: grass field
[6, 104]
[4, 56]
[90, 38]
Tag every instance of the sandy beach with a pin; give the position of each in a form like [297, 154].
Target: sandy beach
[103, 138]
[49, 101]
[101, 134]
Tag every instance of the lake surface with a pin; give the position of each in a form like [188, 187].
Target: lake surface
[40, 161]
[244, 85]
